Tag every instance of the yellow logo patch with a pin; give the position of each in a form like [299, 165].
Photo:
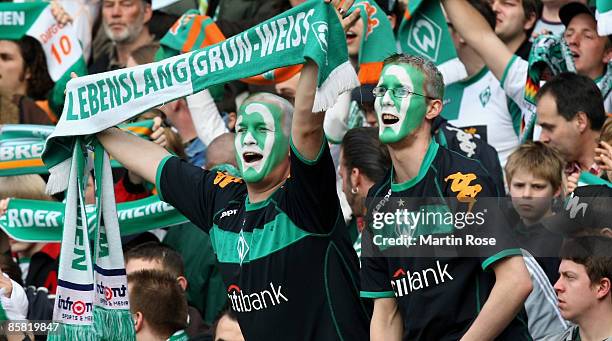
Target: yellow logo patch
[223, 179]
[461, 185]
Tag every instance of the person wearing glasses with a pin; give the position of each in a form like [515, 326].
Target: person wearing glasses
[426, 280]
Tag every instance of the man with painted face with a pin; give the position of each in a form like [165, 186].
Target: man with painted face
[423, 292]
[278, 233]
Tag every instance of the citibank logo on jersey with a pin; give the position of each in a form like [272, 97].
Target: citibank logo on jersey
[244, 302]
[404, 281]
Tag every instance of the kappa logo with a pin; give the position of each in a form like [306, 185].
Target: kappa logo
[320, 29]
[466, 193]
[405, 282]
[425, 36]
[574, 206]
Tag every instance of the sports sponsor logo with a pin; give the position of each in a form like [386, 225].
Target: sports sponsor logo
[465, 141]
[405, 281]
[77, 307]
[223, 179]
[245, 302]
[424, 36]
[110, 292]
[461, 185]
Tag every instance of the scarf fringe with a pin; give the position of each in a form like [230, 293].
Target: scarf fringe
[113, 325]
[71, 332]
[343, 78]
[58, 179]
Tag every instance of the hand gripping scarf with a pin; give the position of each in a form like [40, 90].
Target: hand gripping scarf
[62, 49]
[96, 102]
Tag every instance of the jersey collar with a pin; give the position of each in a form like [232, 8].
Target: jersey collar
[430, 155]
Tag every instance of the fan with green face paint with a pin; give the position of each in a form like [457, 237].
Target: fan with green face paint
[261, 142]
[399, 117]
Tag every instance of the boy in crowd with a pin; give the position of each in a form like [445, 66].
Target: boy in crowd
[534, 174]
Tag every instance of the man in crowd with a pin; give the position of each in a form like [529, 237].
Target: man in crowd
[463, 300]
[125, 23]
[550, 21]
[158, 306]
[272, 233]
[515, 20]
[584, 289]
[571, 114]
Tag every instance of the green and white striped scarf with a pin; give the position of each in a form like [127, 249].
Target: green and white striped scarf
[62, 49]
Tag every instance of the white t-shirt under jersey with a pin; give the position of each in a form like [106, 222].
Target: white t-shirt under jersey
[480, 105]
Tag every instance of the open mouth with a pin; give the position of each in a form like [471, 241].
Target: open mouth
[350, 35]
[250, 157]
[389, 119]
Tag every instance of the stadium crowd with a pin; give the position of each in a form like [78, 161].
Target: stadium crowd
[459, 198]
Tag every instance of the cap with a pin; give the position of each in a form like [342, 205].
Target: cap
[363, 94]
[588, 207]
[568, 11]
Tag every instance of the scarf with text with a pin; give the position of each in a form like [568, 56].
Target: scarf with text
[96, 102]
[193, 31]
[60, 44]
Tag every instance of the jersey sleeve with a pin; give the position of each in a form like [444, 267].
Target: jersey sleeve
[311, 201]
[514, 78]
[374, 275]
[195, 192]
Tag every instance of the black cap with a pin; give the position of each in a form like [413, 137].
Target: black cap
[363, 94]
[568, 11]
[587, 208]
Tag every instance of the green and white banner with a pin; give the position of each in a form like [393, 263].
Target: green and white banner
[42, 221]
[604, 17]
[96, 102]
[424, 32]
[62, 49]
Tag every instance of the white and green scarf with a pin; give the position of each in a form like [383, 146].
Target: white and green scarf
[424, 32]
[62, 49]
[604, 17]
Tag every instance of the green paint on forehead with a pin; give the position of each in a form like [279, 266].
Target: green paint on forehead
[260, 122]
[410, 110]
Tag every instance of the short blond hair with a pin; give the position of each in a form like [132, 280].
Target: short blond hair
[29, 186]
[539, 159]
[606, 131]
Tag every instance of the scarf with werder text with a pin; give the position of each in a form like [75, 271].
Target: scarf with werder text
[424, 32]
[96, 102]
[60, 44]
[375, 44]
[193, 31]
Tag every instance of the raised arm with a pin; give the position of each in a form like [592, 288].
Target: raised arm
[386, 324]
[475, 30]
[307, 127]
[134, 153]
